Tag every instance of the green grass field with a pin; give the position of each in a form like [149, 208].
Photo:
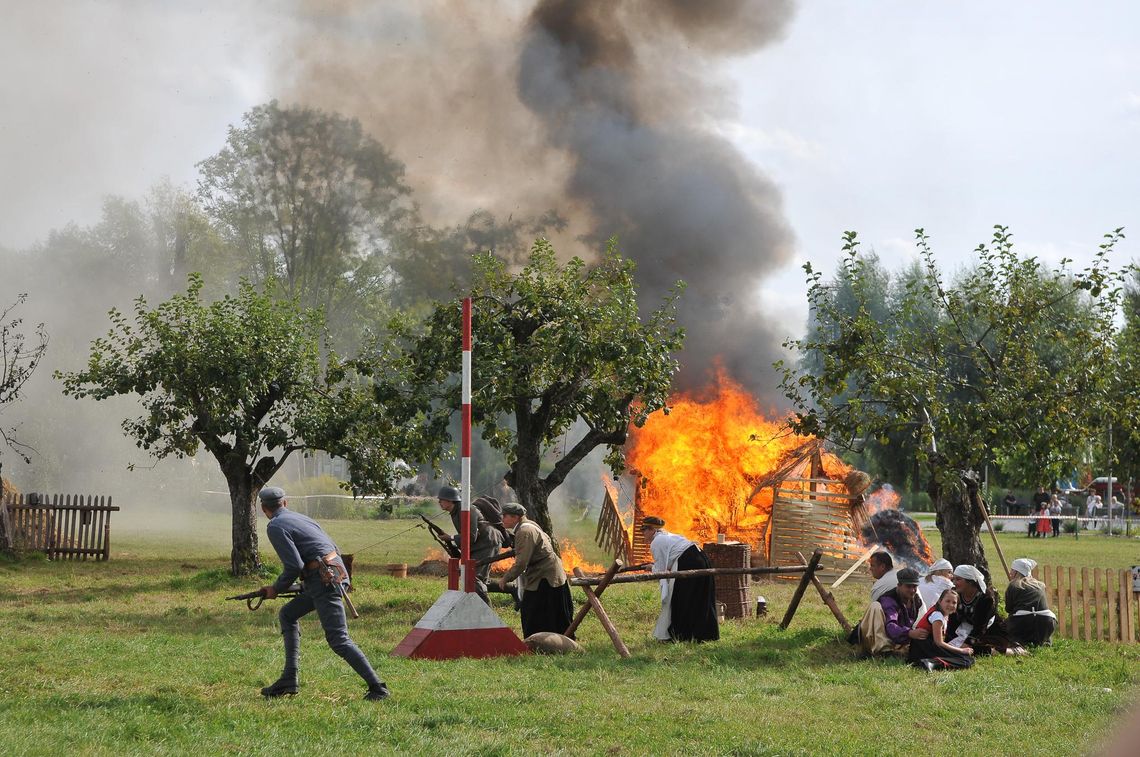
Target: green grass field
[141, 656]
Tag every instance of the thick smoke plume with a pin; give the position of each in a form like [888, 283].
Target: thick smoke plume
[900, 535]
[602, 110]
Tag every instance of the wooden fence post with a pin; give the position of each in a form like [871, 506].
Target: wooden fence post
[1129, 610]
[1073, 632]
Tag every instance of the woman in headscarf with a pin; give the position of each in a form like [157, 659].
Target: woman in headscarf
[976, 621]
[1030, 622]
[688, 605]
[936, 581]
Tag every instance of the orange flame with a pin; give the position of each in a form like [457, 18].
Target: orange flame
[700, 463]
[572, 558]
[883, 498]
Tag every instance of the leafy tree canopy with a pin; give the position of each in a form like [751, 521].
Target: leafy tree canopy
[1001, 364]
[313, 201]
[552, 344]
[242, 377]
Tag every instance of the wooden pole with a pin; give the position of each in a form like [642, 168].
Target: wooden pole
[629, 578]
[809, 574]
[829, 600]
[858, 562]
[993, 534]
[600, 611]
[585, 609]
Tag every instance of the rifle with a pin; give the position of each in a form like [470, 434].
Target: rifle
[254, 599]
[442, 538]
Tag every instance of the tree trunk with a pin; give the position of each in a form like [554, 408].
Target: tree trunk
[532, 495]
[524, 477]
[244, 557]
[959, 519]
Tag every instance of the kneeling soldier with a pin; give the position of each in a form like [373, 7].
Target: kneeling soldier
[306, 551]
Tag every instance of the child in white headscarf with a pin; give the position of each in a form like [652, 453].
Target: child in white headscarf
[936, 581]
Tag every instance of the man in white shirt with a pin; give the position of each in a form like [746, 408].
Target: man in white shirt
[871, 633]
[882, 569]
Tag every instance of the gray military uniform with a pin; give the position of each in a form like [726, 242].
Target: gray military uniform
[298, 540]
[486, 541]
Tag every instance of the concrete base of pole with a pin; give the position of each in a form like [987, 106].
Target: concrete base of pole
[460, 624]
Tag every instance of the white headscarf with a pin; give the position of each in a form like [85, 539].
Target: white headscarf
[1024, 566]
[942, 564]
[970, 573]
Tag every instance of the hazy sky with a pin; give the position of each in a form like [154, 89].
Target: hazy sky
[878, 117]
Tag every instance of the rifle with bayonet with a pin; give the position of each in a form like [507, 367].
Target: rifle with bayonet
[254, 599]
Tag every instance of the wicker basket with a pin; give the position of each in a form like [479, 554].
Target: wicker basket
[734, 592]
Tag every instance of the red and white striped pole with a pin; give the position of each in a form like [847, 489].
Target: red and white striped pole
[461, 571]
[460, 624]
[466, 570]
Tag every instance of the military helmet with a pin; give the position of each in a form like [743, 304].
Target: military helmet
[449, 493]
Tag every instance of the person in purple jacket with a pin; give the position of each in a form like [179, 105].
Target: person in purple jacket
[902, 607]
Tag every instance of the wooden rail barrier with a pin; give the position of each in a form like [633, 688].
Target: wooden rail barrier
[62, 526]
[1092, 604]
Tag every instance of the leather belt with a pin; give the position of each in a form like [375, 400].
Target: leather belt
[314, 564]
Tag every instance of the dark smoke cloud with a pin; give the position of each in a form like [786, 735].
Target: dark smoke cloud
[600, 109]
[900, 535]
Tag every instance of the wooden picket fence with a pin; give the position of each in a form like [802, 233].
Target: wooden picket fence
[62, 526]
[1092, 604]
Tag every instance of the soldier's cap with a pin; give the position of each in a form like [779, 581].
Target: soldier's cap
[908, 576]
[449, 493]
[652, 521]
[514, 508]
[271, 495]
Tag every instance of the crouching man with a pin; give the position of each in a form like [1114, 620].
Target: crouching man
[545, 603]
[307, 553]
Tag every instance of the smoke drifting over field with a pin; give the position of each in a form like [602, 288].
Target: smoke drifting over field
[600, 110]
[604, 111]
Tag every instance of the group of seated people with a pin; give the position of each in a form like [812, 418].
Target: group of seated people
[947, 617]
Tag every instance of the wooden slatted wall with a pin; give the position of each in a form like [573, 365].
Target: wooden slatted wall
[1092, 604]
[810, 514]
[63, 526]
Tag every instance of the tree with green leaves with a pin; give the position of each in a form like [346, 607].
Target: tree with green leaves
[1123, 368]
[18, 361]
[553, 344]
[313, 201]
[1002, 364]
[242, 377]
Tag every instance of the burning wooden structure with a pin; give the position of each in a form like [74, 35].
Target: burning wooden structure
[806, 510]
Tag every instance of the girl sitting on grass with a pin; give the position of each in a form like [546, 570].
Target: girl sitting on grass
[928, 646]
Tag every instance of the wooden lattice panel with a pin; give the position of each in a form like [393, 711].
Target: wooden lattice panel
[612, 534]
[807, 514]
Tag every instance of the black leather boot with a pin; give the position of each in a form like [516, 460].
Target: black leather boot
[282, 687]
[377, 693]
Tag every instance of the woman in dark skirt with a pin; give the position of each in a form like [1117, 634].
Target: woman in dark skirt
[546, 604]
[688, 605]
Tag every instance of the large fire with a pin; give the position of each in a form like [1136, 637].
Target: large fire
[572, 558]
[700, 463]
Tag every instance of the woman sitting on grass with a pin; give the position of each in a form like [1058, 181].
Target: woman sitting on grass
[929, 648]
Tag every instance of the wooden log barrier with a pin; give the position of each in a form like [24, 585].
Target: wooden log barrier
[809, 574]
[600, 611]
[584, 609]
[829, 600]
[637, 577]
